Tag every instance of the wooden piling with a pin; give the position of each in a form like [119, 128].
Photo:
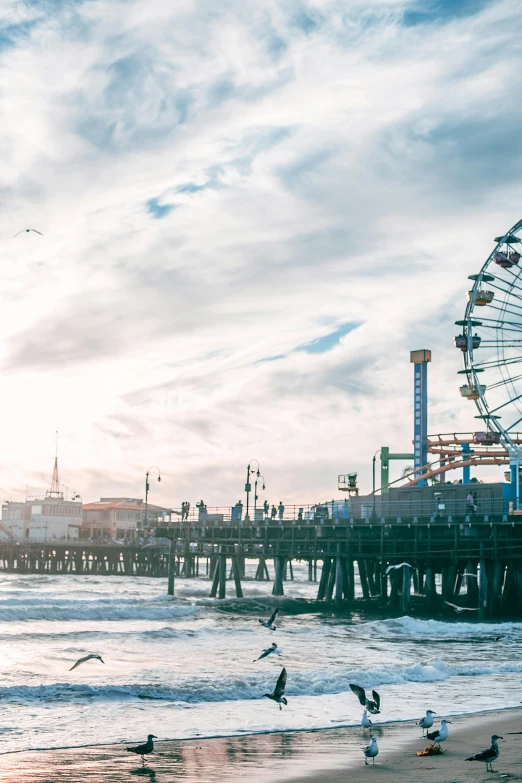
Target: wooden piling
[170, 589]
[279, 566]
[323, 581]
[236, 568]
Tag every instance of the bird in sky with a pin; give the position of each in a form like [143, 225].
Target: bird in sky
[86, 658]
[366, 722]
[270, 622]
[426, 722]
[489, 755]
[373, 705]
[371, 751]
[27, 231]
[268, 651]
[439, 735]
[145, 749]
[279, 690]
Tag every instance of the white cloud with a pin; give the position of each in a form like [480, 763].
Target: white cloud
[344, 168]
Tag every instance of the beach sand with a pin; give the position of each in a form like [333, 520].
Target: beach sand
[327, 756]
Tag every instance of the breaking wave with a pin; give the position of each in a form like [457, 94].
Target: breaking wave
[242, 688]
[99, 609]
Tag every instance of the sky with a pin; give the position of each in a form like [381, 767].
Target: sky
[251, 212]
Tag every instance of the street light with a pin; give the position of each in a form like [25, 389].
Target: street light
[248, 485]
[373, 485]
[147, 487]
[255, 492]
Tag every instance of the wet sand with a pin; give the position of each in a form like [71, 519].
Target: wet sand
[329, 756]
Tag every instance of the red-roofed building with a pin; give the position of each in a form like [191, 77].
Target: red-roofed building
[118, 517]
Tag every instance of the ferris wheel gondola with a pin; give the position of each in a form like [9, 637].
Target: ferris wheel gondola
[491, 342]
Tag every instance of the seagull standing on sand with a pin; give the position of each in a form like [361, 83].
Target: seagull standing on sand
[27, 231]
[270, 622]
[490, 755]
[366, 722]
[279, 689]
[372, 705]
[426, 722]
[145, 749]
[268, 651]
[86, 658]
[370, 751]
[439, 735]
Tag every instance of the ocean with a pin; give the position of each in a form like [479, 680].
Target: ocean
[183, 667]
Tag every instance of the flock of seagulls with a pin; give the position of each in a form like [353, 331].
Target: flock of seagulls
[372, 706]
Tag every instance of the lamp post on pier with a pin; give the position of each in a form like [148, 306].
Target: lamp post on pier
[373, 477]
[147, 487]
[255, 492]
[248, 485]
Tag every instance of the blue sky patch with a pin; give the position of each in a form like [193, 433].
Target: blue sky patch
[329, 341]
[441, 11]
[157, 210]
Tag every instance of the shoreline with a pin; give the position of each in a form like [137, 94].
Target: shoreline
[268, 733]
[311, 756]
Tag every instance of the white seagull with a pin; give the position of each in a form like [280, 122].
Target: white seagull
[86, 658]
[490, 755]
[27, 231]
[268, 651]
[459, 609]
[426, 722]
[366, 722]
[399, 565]
[372, 705]
[371, 751]
[439, 735]
[270, 622]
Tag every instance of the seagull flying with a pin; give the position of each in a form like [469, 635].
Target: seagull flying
[279, 689]
[86, 658]
[370, 751]
[366, 722]
[490, 755]
[29, 229]
[372, 705]
[145, 749]
[459, 609]
[270, 622]
[268, 651]
[399, 565]
[439, 735]
[426, 722]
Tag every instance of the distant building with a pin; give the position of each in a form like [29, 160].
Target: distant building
[119, 517]
[47, 519]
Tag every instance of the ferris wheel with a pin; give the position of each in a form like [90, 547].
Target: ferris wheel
[491, 343]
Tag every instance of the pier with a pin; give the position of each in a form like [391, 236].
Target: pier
[473, 561]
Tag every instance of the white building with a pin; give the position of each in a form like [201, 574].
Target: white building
[44, 520]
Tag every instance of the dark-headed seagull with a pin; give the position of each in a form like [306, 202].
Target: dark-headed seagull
[86, 658]
[145, 749]
[268, 651]
[279, 690]
[489, 755]
[27, 231]
[270, 622]
[373, 705]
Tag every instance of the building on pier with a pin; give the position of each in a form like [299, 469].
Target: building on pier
[119, 518]
[44, 519]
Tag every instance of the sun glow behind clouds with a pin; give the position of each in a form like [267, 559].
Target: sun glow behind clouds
[250, 214]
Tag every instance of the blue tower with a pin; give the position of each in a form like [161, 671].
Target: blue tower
[420, 361]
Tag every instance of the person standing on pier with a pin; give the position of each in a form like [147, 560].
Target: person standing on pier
[281, 509]
[266, 508]
[273, 513]
[470, 500]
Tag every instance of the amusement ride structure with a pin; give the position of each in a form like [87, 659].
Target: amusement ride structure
[490, 341]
